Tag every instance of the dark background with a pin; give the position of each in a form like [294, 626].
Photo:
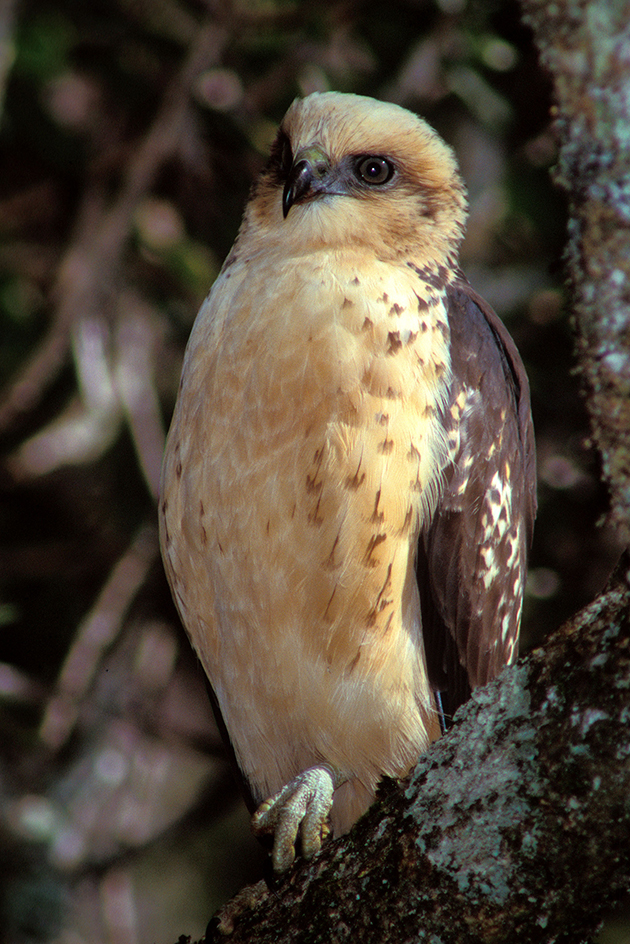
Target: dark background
[119, 821]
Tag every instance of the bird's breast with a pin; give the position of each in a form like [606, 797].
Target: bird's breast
[309, 452]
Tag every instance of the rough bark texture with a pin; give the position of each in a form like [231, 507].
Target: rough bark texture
[585, 46]
[514, 827]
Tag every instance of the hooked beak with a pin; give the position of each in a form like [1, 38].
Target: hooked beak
[307, 178]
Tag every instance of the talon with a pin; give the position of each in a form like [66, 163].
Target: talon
[258, 824]
[302, 806]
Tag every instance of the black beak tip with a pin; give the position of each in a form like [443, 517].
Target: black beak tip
[288, 197]
[298, 186]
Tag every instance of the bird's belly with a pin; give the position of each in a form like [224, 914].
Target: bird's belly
[302, 486]
[317, 627]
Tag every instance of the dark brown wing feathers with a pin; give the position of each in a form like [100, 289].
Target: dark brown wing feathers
[472, 559]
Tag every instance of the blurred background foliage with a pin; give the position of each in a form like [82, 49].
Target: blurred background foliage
[131, 133]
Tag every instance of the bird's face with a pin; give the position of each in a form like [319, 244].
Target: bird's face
[350, 171]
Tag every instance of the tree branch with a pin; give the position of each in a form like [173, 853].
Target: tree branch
[514, 827]
[585, 48]
[87, 276]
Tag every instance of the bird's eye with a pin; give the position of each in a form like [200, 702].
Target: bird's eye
[374, 170]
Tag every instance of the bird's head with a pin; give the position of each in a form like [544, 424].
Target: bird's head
[350, 171]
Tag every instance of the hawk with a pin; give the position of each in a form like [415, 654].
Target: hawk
[348, 489]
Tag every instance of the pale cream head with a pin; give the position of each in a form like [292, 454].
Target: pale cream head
[417, 212]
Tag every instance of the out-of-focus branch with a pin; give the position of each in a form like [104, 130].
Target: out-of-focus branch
[94, 636]
[70, 289]
[116, 381]
[89, 425]
[87, 276]
[135, 381]
[585, 46]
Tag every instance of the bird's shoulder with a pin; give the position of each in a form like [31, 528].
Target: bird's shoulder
[487, 365]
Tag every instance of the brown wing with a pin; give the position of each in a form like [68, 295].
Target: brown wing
[472, 559]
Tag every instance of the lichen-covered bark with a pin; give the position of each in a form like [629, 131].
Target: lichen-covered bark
[515, 827]
[585, 46]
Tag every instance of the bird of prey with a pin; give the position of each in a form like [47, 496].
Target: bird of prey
[348, 488]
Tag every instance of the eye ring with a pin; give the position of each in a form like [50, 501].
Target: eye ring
[374, 170]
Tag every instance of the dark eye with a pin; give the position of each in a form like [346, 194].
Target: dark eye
[374, 170]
